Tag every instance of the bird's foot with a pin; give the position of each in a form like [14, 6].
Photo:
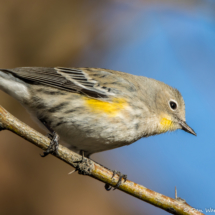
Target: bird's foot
[83, 166]
[53, 146]
[121, 176]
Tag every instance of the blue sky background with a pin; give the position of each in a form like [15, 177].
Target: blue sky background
[177, 46]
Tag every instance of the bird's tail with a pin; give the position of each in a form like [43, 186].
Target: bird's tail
[13, 86]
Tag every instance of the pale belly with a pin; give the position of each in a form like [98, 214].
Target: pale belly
[88, 124]
[95, 134]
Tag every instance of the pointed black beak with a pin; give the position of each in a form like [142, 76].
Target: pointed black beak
[187, 128]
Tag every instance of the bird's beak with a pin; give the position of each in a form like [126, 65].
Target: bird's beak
[186, 128]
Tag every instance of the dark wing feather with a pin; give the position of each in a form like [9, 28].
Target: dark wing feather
[69, 79]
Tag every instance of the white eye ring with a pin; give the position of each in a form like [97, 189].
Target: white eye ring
[173, 105]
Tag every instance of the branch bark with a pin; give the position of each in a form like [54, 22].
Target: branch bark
[174, 206]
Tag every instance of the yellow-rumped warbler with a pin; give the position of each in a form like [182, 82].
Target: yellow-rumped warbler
[94, 110]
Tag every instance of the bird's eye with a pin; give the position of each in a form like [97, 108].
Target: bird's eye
[173, 105]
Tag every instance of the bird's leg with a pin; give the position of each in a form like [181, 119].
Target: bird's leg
[108, 187]
[82, 159]
[82, 165]
[54, 137]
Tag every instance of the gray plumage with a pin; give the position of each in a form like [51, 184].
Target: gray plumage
[96, 109]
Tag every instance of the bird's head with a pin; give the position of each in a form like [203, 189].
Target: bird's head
[170, 109]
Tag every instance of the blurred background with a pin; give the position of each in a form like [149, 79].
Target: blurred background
[172, 41]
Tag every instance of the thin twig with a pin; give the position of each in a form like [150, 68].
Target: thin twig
[174, 206]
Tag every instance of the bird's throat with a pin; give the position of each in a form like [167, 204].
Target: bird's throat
[166, 124]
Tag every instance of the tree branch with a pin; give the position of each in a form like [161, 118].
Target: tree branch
[174, 206]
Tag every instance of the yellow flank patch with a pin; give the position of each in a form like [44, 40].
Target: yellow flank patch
[110, 108]
[166, 124]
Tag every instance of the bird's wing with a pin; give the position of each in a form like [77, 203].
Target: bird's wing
[97, 83]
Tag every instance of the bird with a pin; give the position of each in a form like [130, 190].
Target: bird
[94, 109]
